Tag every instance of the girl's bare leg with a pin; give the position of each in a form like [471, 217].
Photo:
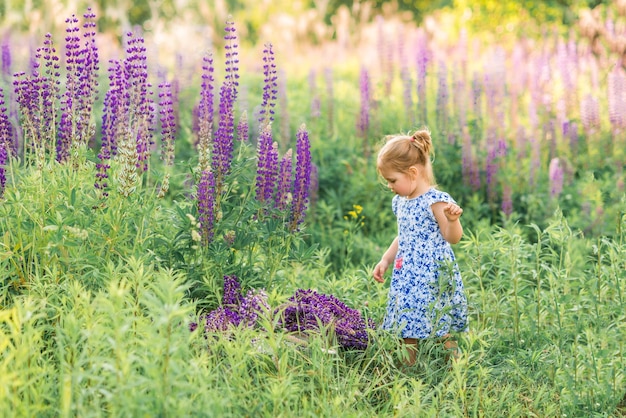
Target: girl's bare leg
[451, 347]
[411, 347]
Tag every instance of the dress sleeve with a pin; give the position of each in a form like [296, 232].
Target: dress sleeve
[394, 204]
[439, 196]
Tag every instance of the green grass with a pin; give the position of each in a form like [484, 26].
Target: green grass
[94, 323]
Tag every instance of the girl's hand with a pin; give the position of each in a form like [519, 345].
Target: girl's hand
[452, 212]
[379, 271]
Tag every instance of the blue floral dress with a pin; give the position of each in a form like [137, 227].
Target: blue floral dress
[426, 296]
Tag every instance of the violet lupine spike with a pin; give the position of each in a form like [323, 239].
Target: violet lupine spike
[36, 95]
[224, 137]
[252, 306]
[556, 174]
[88, 79]
[114, 121]
[168, 123]
[5, 57]
[270, 87]
[363, 123]
[141, 105]
[206, 206]
[204, 113]
[50, 91]
[220, 320]
[267, 166]
[590, 114]
[283, 188]
[5, 142]
[67, 124]
[617, 98]
[6, 128]
[423, 59]
[231, 57]
[306, 309]
[232, 292]
[302, 182]
[4, 158]
[243, 127]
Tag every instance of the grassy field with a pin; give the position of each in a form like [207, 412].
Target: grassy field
[131, 189]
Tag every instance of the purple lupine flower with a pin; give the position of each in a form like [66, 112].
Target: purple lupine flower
[168, 123]
[267, 165]
[232, 292]
[302, 182]
[590, 113]
[220, 320]
[423, 59]
[69, 118]
[235, 310]
[224, 136]
[252, 306]
[270, 87]
[206, 206]
[617, 98]
[5, 142]
[6, 59]
[116, 107]
[407, 86]
[6, 129]
[141, 105]
[36, 95]
[243, 127]
[283, 189]
[306, 310]
[363, 122]
[556, 174]
[4, 157]
[87, 79]
[385, 54]
[204, 112]
[114, 123]
[231, 58]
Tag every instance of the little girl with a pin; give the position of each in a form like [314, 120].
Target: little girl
[426, 297]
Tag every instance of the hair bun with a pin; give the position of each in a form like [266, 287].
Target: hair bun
[423, 140]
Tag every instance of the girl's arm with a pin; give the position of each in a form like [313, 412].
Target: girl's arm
[385, 262]
[447, 215]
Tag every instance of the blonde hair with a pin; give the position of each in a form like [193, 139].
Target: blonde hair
[401, 152]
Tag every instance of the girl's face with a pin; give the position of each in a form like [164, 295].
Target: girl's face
[403, 184]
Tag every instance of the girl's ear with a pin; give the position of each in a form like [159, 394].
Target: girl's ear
[414, 171]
